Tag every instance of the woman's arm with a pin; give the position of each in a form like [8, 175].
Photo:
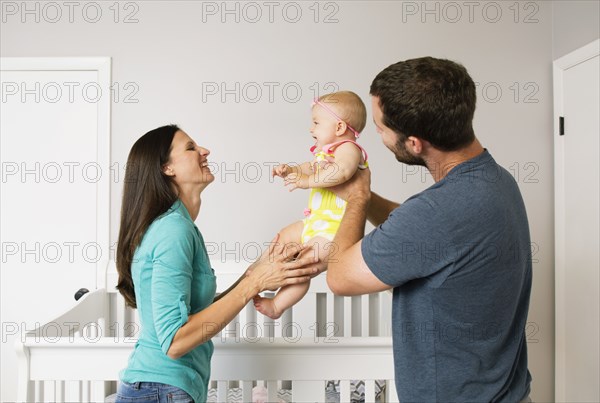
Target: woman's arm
[222, 294]
[272, 271]
[347, 160]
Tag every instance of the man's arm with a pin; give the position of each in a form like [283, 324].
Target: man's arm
[347, 272]
[379, 209]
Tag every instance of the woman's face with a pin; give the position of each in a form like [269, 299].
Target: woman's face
[188, 164]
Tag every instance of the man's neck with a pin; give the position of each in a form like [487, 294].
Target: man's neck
[440, 163]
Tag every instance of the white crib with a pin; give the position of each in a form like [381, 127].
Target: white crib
[78, 355]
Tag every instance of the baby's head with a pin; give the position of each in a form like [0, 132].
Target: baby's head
[338, 116]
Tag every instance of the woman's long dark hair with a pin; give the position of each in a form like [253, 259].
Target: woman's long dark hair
[147, 193]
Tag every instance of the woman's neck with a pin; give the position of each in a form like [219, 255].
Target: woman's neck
[191, 201]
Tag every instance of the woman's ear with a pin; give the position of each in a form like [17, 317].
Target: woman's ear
[340, 127]
[167, 170]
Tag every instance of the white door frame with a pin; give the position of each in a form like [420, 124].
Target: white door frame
[102, 66]
[559, 66]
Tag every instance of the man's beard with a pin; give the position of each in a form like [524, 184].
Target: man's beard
[402, 154]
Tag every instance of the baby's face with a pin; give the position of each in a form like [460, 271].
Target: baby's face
[323, 126]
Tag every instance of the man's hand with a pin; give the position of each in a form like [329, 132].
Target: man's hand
[358, 188]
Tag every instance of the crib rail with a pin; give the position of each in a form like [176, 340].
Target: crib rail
[273, 360]
[78, 355]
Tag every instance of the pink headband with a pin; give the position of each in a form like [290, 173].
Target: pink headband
[317, 102]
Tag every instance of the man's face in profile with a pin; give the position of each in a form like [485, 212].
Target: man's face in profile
[395, 142]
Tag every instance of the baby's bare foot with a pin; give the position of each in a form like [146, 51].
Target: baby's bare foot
[267, 307]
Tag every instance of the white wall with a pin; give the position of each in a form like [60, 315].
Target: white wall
[574, 24]
[169, 59]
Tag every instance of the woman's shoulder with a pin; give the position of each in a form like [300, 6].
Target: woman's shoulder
[172, 225]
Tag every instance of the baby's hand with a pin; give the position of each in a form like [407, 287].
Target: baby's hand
[295, 181]
[282, 170]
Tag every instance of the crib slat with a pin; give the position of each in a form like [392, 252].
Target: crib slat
[268, 324]
[321, 314]
[119, 326]
[232, 330]
[330, 315]
[48, 391]
[374, 315]
[391, 392]
[356, 316]
[39, 391]
[72, 391]
[250, 330]
[304, 314]
[272, 391]
[369, 391]
[365, 316]
[247, 391]
[338, 315]
[221, 391]
[287, 323]
[344, 391]
[98, 391]
[59, 392]
[347, 317]
[85, 392]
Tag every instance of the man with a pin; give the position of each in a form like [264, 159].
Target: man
[457, 254]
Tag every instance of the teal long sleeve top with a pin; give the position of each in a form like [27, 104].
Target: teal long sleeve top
[173, 279]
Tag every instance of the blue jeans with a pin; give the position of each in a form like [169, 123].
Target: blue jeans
[151, 392]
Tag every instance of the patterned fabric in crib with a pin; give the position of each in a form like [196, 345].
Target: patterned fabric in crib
[332, 393]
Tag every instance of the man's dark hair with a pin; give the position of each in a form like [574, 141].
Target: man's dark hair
[433, 99]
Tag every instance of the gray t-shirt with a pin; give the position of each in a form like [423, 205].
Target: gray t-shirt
[459, 257]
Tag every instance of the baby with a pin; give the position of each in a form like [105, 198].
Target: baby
[337, 120]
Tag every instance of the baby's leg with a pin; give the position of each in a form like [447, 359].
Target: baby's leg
[285, 298]
[289, 236]
[290, 295]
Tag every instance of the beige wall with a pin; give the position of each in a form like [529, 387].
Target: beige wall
[574, 24]
[234, 86]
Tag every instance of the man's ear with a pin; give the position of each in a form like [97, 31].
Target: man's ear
[415, 144]
[340, 128]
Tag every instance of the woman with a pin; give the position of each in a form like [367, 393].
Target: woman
[165, 273]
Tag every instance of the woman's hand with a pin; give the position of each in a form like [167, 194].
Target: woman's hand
[279, 267]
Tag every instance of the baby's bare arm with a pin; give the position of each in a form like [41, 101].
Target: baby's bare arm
[284, 170]
[347, 158]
